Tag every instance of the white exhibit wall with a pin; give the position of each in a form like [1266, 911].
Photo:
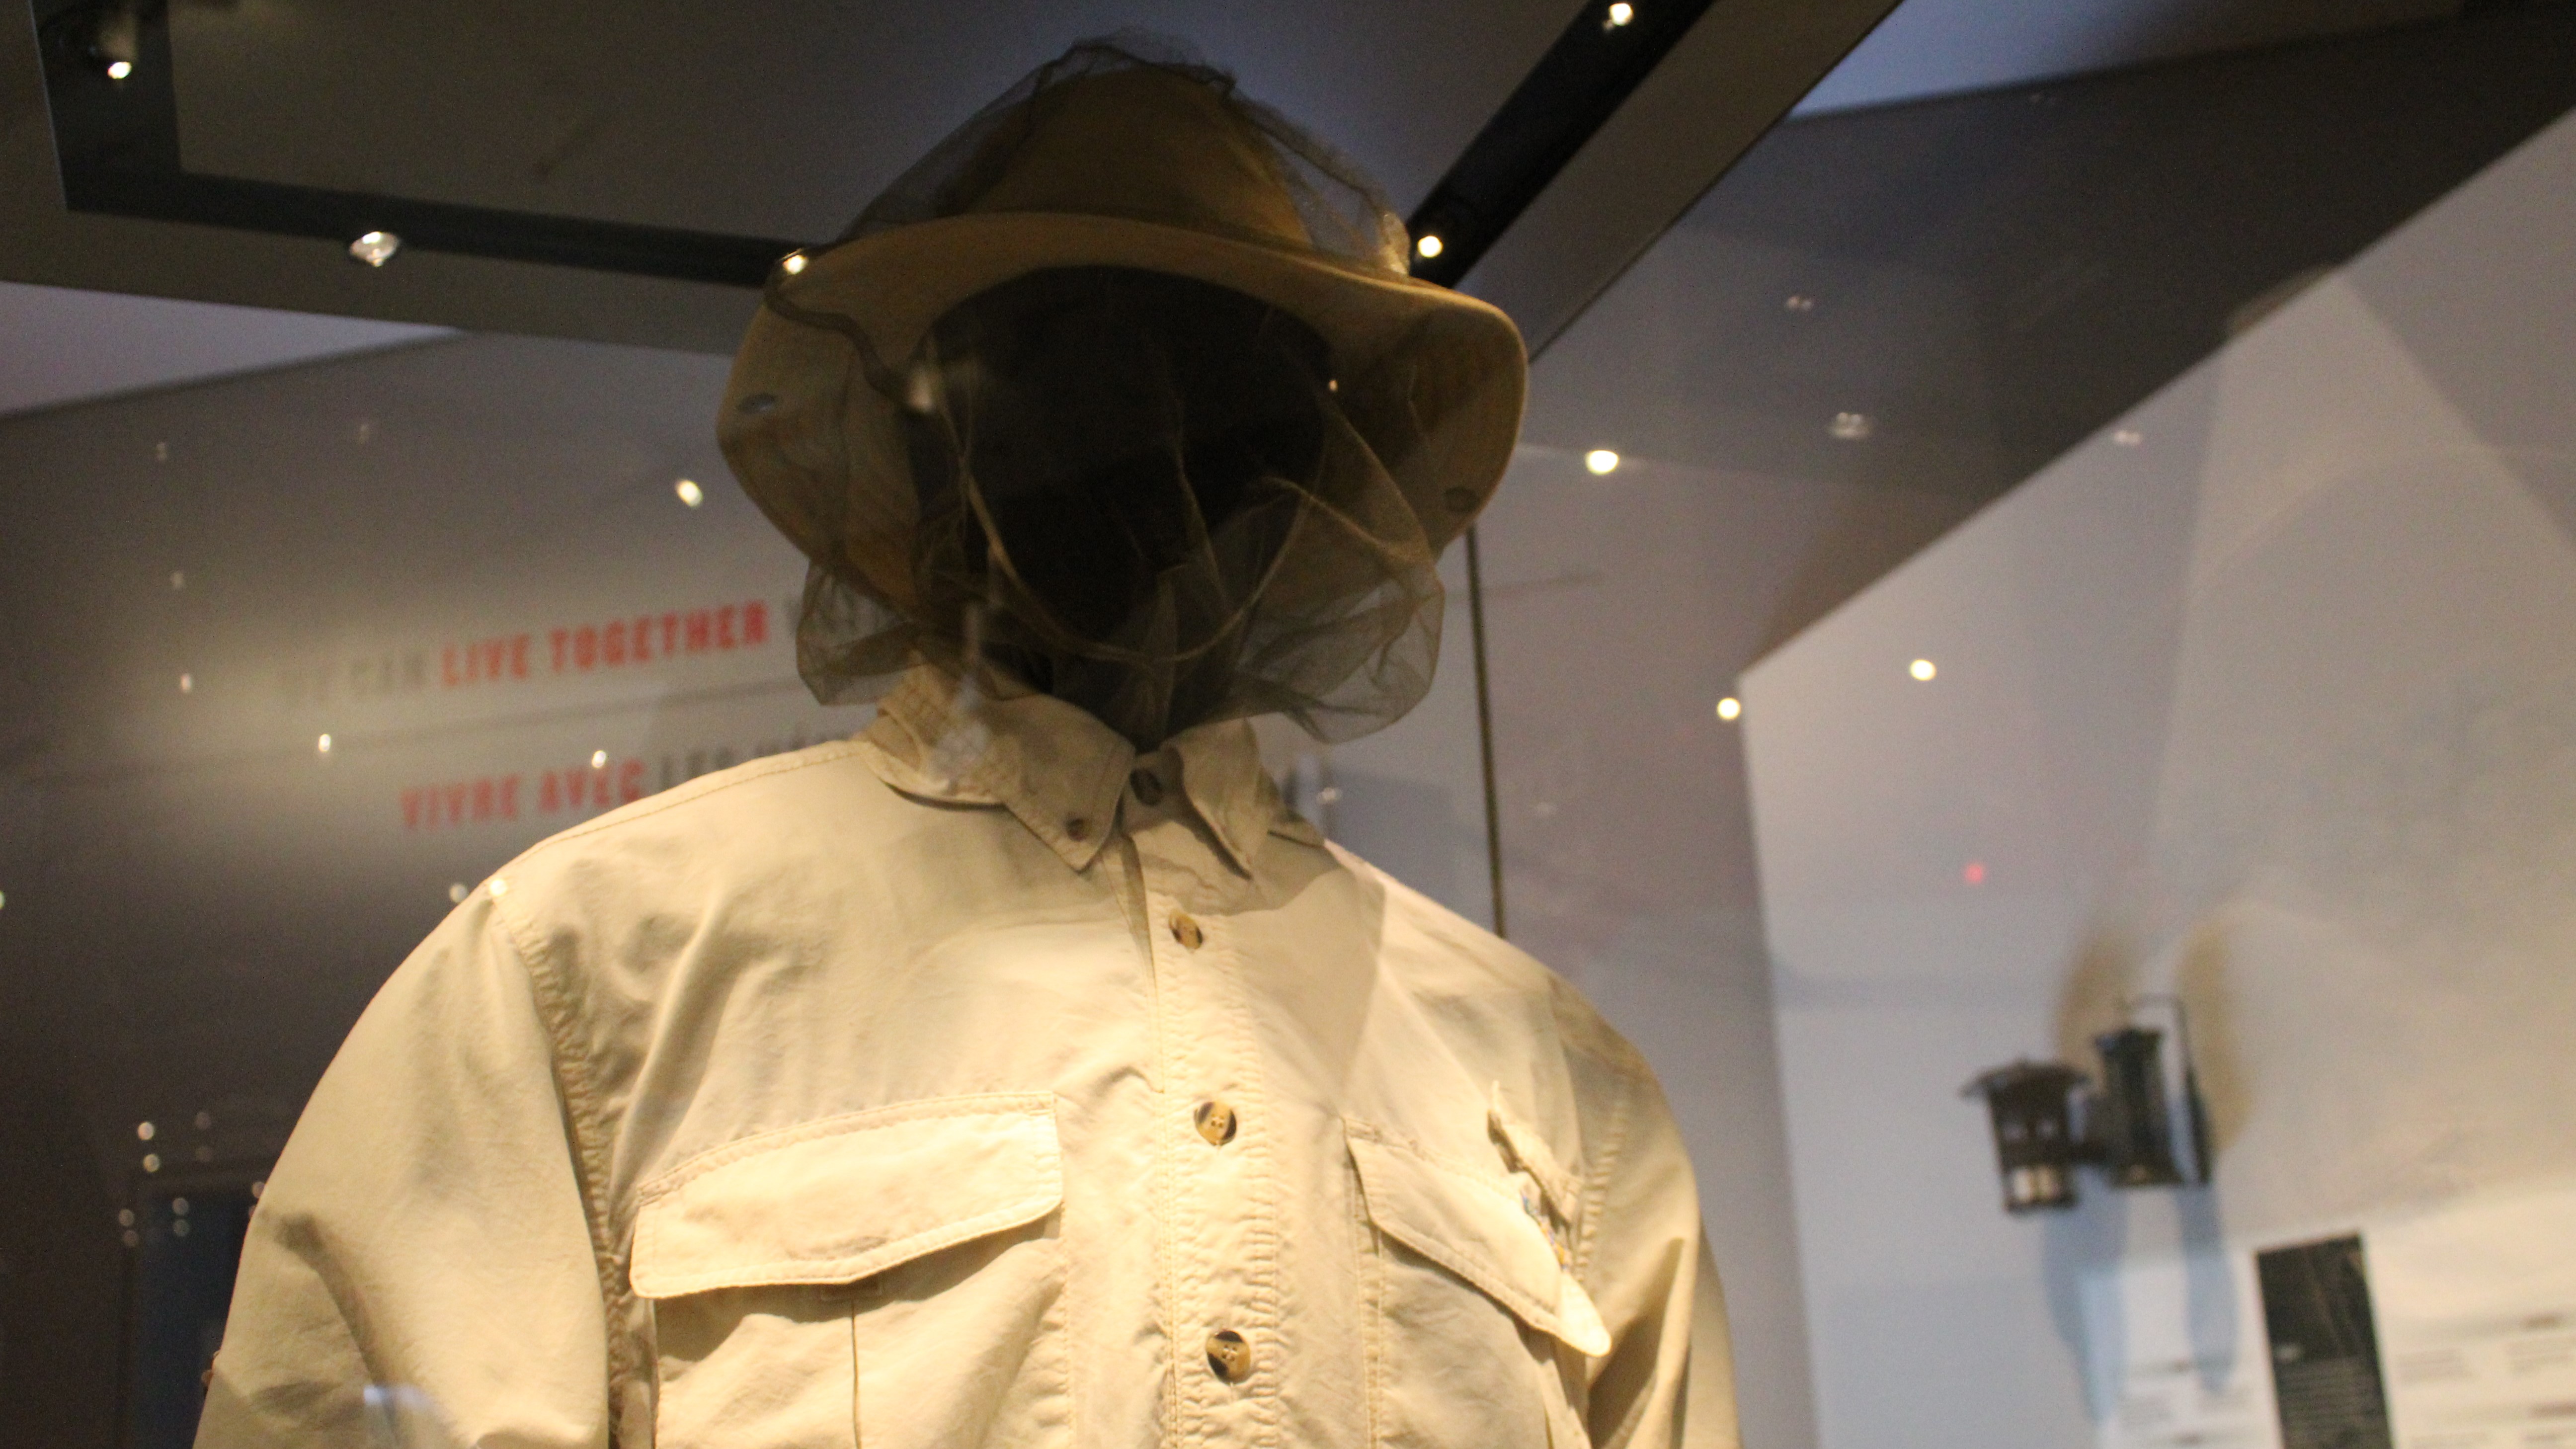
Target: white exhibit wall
[2267, 696]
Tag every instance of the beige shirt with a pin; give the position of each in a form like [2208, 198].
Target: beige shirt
[973, 1082]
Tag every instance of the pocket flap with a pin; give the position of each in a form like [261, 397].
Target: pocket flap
[848, 1197]
[1473, 1224]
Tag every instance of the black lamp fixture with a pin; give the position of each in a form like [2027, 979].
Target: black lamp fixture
[2044, 1128]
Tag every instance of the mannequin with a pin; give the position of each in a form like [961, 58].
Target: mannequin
[1131, 431]
[1021, 1071]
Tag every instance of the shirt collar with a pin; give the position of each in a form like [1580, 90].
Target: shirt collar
[1060, 771]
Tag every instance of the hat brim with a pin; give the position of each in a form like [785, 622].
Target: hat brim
[1457, 361]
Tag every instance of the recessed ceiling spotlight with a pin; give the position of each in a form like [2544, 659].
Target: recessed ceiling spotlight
[1427, 245]
[689, 491]
[375, 248]
[1601, 461]
[1851, 427]
[1729, 707]
[322, 746]
[119, 69]
[1620, 14]
[599, 759]
[792, 263]
[1923, 669]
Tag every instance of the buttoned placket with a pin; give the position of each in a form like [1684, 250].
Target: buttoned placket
[1217, 1195]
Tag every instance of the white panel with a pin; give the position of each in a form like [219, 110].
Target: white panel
[2267, 695]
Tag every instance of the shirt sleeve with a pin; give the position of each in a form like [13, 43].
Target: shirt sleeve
[419, 1270]
[1668, 1380]
[1708, 1408]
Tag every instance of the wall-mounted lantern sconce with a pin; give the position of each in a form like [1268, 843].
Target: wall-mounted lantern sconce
[2125, 1128]
[2035, 1142]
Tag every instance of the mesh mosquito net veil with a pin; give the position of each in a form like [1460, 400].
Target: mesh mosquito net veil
[1121, 394]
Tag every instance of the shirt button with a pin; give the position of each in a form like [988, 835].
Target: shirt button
[1077, 828]
[1229, 1356]
[1148, 787]
[1186, 931]
[1217, 1123]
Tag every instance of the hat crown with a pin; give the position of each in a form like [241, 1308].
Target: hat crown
[1106, 132]
[1145, 144]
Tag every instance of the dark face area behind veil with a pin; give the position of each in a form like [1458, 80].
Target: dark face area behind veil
[1125, 454]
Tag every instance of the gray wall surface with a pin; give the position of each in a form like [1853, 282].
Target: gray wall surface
[2265, 696]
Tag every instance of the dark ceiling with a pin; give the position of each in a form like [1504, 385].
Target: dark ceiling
[775, 119]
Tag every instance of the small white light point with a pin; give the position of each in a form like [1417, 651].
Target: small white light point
[1729, 707]
[499, 887]
[599, 759]
[2128, 437]
[456, 893]
[1923, 669]
[792, 263]
[1620, 14]
[145, 1131]
[689, 491]
[1601, 461]
[187, 684]
[152, 1162]
[322, 746]
[1851, 427]
[119, 69]
[1428, 245]
[375, 248]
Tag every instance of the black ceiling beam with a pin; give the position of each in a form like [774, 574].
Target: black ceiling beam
[116, 139]
[1605, 52]
[110, 92]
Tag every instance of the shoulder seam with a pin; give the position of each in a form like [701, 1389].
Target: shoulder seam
[589, 1133]
[1597, 1191]
[679, 795]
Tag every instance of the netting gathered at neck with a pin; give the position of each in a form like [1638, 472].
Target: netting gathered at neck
[1121, 394]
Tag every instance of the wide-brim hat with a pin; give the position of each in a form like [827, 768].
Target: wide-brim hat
[1107, 159]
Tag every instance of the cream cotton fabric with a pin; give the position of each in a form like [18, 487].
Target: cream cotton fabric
[856, 1096]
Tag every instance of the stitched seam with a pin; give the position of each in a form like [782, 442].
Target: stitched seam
[1173, 1056]
[875, 1260]
[1375, 1292]
[590, 1152]
[679, 795]
[1368, 1131]
[1023, 1104]
[1477, 1275]
[1492, 1281]
[1264, 1246]
[1598, 1190]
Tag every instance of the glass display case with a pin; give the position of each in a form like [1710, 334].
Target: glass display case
[2026, 659]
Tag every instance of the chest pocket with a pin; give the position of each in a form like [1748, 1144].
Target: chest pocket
[892, 1278]
[1479, 1332]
